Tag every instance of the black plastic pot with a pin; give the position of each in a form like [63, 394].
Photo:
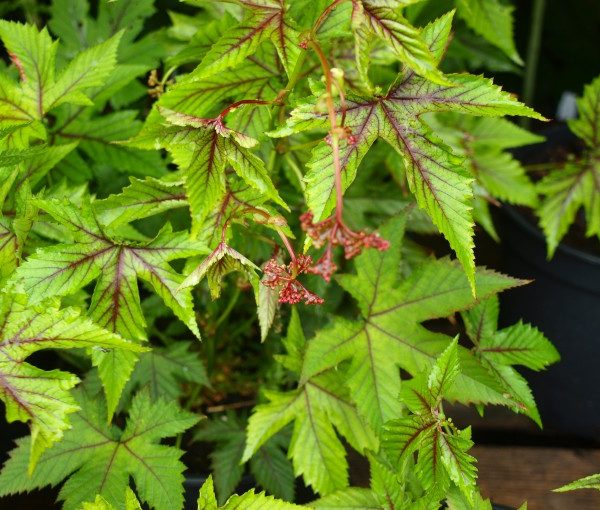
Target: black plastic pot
[563, 302]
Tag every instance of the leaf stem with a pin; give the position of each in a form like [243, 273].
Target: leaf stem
[334, 133]
[283, 237]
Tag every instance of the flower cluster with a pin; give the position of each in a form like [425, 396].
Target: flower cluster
[284, 277]
[334, 232]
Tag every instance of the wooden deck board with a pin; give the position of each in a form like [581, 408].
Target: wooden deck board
[511, 475]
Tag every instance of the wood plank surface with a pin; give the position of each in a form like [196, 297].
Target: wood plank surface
[511, 475]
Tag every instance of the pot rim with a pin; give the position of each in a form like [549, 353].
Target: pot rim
[584, 256]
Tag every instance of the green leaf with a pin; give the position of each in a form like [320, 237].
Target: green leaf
[389, 489]
[444, 372]
[589, 482]
[383, 20]
[348, 499]
[162, 371]
[267, 306]
[273, 470]
[98, 139]
[116, 264]
[457, 501]
[498, 351]
[434, 173]
[131, 503]
[35, 168]
[225, 460]
[142, 198]
[247, 501]
[390, 334]
[264, 21]
[90, 68]
[493, 20]
[207, 499]
[316, 407]
[34, 395]
[97, 458]
[441, 449]
[270, 467]
[16, 109]
[587, 126]
[482, 142]
[34, 54]
[576, 184]
[566, 190]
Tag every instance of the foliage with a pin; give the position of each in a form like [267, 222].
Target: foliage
[497, 175]
[277, 155]
[97, 458]
[589, 482]
[575, 185]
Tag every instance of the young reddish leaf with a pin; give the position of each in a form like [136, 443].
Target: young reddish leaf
[222, 261]
[215, 147]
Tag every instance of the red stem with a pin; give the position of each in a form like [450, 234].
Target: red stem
[334, 134]
[284, 239]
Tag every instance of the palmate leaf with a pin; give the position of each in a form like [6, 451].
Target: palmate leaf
[257, 78]
[390, 334]
[34, 395]
[96, 458]
[435, 176]
[116, 264]
[248, 501]
[577, 184]
[34, 54]
[499, 350]
[316, 407]
[264, 20]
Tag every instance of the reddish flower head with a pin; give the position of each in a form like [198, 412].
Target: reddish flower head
[335, 233]
[284, 277]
